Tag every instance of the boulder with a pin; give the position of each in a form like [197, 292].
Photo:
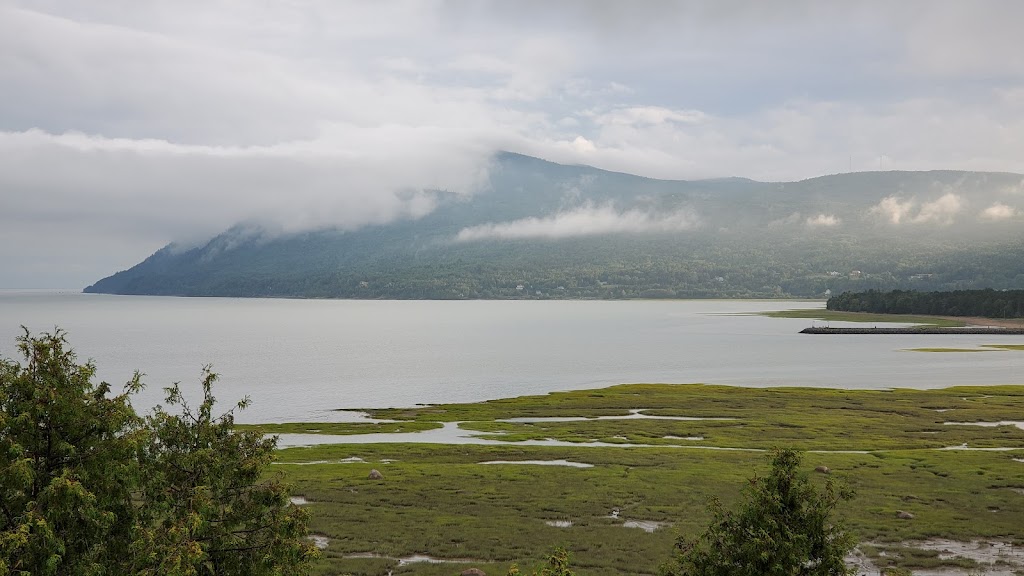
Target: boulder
[473, 572]
[376, 475]
[822, 469]
[904, 515]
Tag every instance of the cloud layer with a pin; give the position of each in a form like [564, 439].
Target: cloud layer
[127, 125]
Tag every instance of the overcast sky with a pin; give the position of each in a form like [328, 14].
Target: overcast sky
[128, 124]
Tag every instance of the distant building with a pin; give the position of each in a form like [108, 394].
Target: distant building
[855, 274]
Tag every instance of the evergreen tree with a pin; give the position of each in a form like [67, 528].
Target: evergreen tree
[784, 527]
[88, 488]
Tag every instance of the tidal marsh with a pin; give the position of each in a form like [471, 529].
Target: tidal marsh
[441, 501]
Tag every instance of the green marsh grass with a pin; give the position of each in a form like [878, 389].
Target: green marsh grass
[439, 500]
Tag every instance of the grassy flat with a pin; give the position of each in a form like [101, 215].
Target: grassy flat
[837, 316]
[441, 501]
[948, 350]
[1005, 346]
[982, 348]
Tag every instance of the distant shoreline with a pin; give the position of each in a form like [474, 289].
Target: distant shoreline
[917, 330]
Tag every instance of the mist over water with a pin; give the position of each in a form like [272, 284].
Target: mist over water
[300, 359]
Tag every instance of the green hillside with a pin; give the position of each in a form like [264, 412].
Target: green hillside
[545, 230]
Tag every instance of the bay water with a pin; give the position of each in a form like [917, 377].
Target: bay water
[301, 360]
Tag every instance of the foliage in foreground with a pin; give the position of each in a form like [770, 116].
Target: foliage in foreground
[783, 527]
[89, 487]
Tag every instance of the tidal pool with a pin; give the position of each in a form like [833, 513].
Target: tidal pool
[542, 463]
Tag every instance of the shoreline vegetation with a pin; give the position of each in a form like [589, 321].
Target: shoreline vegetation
[825, 315]
[915, 330]
[988, 303]
[925, 464]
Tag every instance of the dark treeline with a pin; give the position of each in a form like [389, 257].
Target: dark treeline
[988, 303]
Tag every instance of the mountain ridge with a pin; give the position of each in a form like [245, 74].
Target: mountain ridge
[539, 229]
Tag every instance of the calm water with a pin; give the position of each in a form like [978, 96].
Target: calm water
[298, 359]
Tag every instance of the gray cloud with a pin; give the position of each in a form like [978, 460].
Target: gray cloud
[127, 125]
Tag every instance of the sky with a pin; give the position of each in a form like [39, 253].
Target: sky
[127, 124]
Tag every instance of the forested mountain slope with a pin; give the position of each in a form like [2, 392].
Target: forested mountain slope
[543, 230]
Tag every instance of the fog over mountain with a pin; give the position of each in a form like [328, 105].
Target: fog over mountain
[126, 126]
[544, 230]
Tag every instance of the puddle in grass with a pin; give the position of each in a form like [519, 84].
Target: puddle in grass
[634, 414]
[450, 433]
[351, 460]
[559, 523]
[995, 558]
[1009, 558]
[298, 500]
[415, 558]
[645, 525]
[542, 463]
[972, 449]
[319, 541]
[1017, 423]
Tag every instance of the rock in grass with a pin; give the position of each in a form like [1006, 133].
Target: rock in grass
[822, 469]
[376, 475]
[473, 572]
[904, 515]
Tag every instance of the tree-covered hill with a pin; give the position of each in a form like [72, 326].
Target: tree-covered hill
[543, 230]
[986, 303]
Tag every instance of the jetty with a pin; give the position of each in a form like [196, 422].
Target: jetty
[917, 330]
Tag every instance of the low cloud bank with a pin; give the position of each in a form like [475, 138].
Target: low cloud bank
[178, 191]
[893, 209]
[587, 220]
[998, 211]
[823, 221]
[942, 210]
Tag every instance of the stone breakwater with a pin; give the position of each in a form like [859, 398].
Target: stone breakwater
[916, 330]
